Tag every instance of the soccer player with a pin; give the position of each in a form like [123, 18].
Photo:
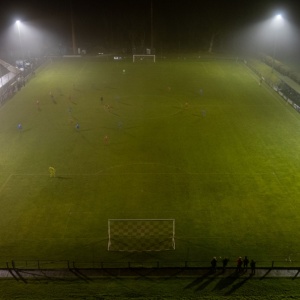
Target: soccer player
[106, 140]
[77, 126]
[20, 127]
[52, 172]
[108, 107]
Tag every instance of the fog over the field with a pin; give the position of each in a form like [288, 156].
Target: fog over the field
[276, 37]
[168, 26]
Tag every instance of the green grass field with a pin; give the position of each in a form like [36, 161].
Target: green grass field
[224, 164]
[207, 288]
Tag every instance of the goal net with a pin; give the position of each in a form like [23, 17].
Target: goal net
[143, 58]
[141, 234]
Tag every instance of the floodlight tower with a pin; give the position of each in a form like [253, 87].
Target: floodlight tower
[277, 21]
[18, 22]
[1, 84]
[73, 30]
[151, 27]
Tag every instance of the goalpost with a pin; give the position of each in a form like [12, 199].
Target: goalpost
[141, 235]
[143, 57]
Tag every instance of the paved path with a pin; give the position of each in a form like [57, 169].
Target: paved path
[86, 274]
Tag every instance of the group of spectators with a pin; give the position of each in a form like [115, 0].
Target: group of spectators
[241, 264]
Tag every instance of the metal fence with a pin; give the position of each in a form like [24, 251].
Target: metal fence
[69, 264]
[14, 83]
[286, 92]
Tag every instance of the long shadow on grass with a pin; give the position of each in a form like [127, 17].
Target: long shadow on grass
[19, 275]
[87, 129]
[117, 279]
[63, 177]
[25, 130]
[80, 275]
[197, 281]
[266, 274]
[238, 285]
[13, 274]
[226, 281]
[45, 274]
[115, 114]
[207, 282]
[296, 275]
[146, 274]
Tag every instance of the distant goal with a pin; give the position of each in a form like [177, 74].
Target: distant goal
[143, 58]
[141, 235]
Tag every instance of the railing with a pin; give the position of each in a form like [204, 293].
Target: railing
[67, 264]
[11, 85]
[291, 96]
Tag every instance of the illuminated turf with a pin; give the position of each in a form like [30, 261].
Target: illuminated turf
[199, 142]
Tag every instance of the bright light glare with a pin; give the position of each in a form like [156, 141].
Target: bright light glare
[18, 22]
[278, 17]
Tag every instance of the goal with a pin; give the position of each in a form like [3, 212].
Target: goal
[141, 234]
[143, 58]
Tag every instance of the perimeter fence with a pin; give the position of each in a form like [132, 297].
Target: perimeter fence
[290, 95]
[69, 264]
[11, 83]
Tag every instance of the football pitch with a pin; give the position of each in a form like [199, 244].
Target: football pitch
[200, 142]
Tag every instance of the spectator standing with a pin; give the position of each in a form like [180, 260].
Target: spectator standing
[252, 266]
[225, 262]
[214, 264]
[245, 263]
[239, 264]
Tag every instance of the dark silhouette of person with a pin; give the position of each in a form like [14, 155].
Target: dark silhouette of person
[252, 266]
[225, 262]
[214, 264]
[239, 264]
[245, 263]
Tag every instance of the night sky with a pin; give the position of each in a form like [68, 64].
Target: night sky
[124, 24]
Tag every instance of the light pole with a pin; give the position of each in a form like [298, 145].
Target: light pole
[1, 78]
[277, 20]
[18, 22]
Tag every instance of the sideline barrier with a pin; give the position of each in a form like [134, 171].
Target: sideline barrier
[286, 92]
[67, 264]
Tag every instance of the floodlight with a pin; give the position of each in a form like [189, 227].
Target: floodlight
[18, 22]
[278, 19]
